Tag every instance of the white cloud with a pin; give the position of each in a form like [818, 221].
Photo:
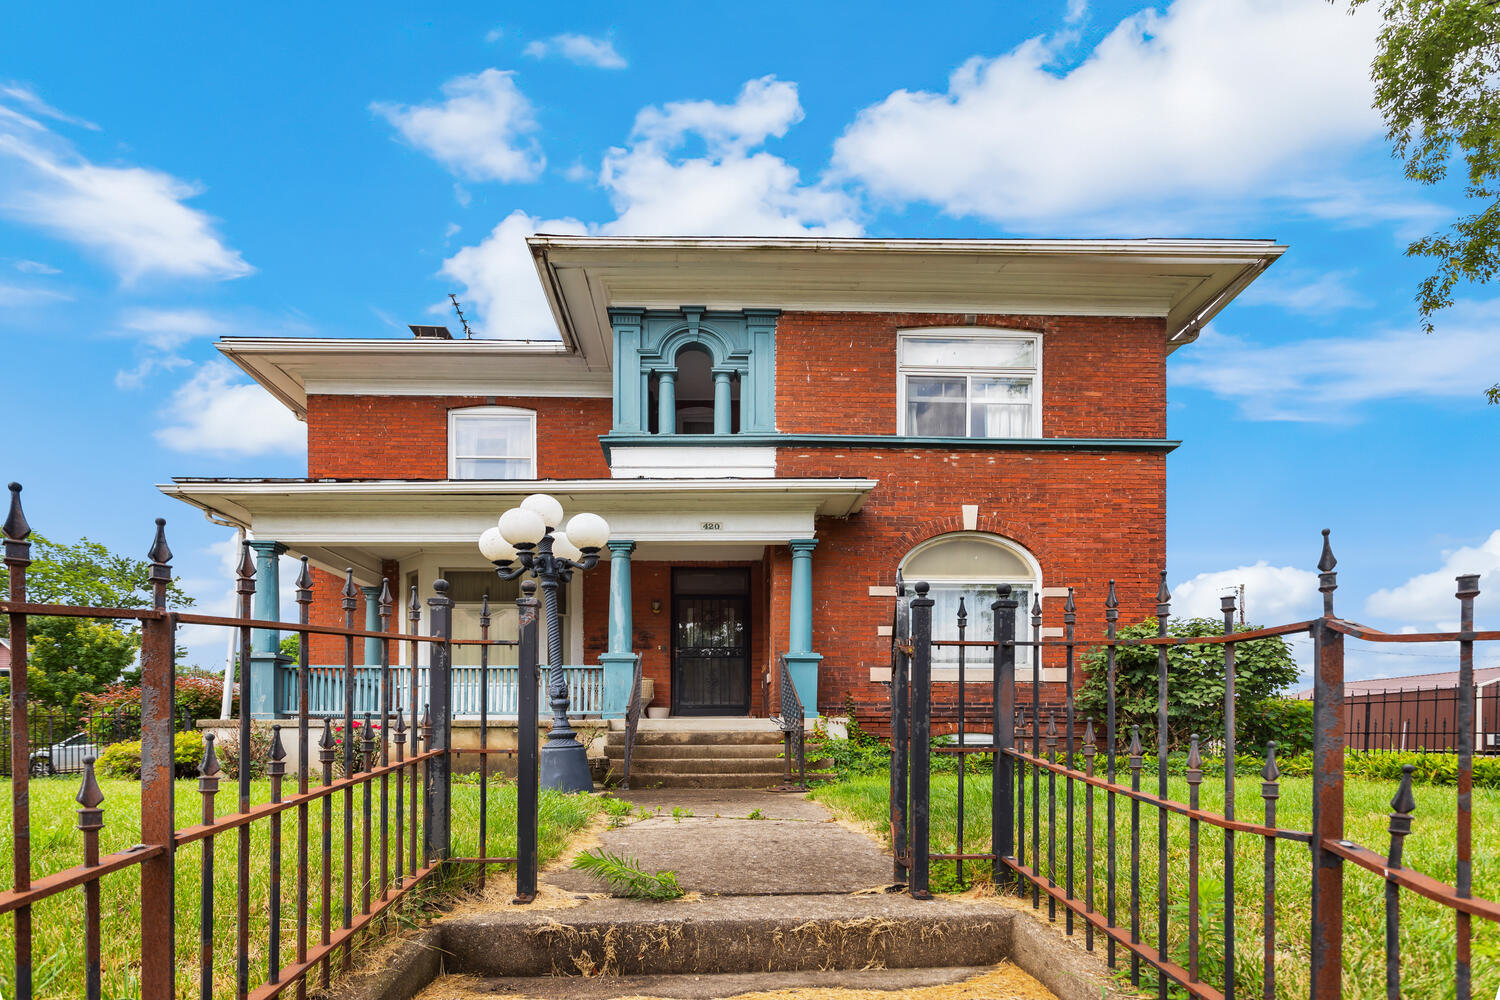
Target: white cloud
[18, 296]
[729, 190]
[167, 329]
[1328, 379]
[500, 280]
[32, 101]
[35, 267]
[1301, 292]
[1211, 101]
[135, 217]
[494, 35]
[213, 413]
[1076, 12]
[580, 49]
[1274, 595]
[1427, 599]
[480, 131]
[134, 378]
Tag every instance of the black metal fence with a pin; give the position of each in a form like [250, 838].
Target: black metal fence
[348, 861]
[1076, 819]
[60, 741]
[1421, 719]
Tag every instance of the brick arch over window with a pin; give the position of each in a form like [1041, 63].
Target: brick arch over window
[1010, 532]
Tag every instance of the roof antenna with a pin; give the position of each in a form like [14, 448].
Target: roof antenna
[468, 334]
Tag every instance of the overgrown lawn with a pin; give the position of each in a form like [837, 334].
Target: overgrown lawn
[1427, 928]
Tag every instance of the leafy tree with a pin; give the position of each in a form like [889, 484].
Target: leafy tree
[69, 659]
[291, 645]
[1437, 84]
[1195, 681]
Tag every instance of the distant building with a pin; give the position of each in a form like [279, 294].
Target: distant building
[773, 428]
[4, 657]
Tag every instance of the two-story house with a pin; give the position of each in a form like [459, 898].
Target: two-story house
[773, 428]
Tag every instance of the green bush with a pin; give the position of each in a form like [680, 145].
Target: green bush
[860, 753]
[1385, 765]
[1288, 721]
[1195, 696]
[123, 760]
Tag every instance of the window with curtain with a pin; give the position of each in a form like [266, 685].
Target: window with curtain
[959, 383]
[491, 442]
[967, 567]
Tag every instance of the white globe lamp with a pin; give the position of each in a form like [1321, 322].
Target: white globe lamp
[550, 511]
[563, 547]
[495, 548]
[588, 531]
[522, 526]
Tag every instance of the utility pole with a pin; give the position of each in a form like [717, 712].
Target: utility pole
[1242, 605]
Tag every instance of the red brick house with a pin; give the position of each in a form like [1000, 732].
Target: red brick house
[772, 427]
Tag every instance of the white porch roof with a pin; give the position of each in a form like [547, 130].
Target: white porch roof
[359, 523]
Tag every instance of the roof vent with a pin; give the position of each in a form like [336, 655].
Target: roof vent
[430, 332]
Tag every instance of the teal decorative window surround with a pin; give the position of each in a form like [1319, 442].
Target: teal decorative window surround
[740, 343]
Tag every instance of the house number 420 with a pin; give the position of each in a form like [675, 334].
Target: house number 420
[713, 525]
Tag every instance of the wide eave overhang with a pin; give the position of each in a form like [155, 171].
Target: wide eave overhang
[1184, 282]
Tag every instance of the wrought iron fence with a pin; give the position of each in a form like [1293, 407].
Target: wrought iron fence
[59, 741]
[1044, 777]
[791, 720]
[1420, 719]
[323, 897]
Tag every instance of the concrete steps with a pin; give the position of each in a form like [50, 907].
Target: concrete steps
[742, 753]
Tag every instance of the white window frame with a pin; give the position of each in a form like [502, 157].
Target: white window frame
[981, 667]
[1033, 372]
[459, 413]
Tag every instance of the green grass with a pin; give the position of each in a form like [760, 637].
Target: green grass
[1427, 928]
[56, 845]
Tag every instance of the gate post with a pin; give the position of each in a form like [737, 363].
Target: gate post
[900, 734]
[437, 831]
[158, 874]
[528, 776]
[1002, 772]
[1328, 792]
[921, 739]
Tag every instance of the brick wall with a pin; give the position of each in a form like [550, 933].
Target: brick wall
[1102, 376]
[406, 437]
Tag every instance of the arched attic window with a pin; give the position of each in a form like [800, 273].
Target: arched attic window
[693, 385]
[969, 565]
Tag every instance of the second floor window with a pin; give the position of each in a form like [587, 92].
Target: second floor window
[491, 442]
[959, 383]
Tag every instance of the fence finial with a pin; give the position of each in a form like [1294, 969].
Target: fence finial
[245, 573]
[277, 754]
[16, 528]
[1402, 806]
[160, 553]
[1194, 761]
[1468, 586]
[326, 751]
[414, 608]
[89, 796]
[304, 584]
[484, 610]
[208, 767]
[1088, 738]
[1070, 609]
[1003, 597]
[1328, 580]
[1163, 597]
[963, 613]
[1036, 611]
[350, 591]
[386, 603]
[1111, 604]
[1134, 750]
[1271, 772]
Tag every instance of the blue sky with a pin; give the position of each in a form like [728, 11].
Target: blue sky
[177, 174]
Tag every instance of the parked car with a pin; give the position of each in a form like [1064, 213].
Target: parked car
[66, 757]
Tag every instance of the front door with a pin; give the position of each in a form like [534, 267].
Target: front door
[710, 642]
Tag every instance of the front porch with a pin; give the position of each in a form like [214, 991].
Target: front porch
[705, 582]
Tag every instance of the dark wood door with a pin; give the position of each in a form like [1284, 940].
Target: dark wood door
[710, 655]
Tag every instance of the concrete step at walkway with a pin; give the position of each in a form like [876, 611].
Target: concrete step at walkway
[661, 780]
[692, 738]
[642, 766]
[703, 987]
[654, 751]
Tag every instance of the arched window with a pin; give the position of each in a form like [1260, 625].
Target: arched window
[491, 442]
[695, 391]
[969, 565]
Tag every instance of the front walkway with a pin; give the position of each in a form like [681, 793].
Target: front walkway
[791, 901]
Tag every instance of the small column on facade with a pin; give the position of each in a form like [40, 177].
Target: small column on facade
[723, 400]
[367, 691]
[619, 661]
[800, 658]
[666, 402]
[266, 661]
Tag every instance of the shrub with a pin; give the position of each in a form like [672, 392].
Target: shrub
[196, 696]
[1195, 696]
[1385, 765]
[1288, 721]
[860, 753]
[228, 751]
[123, 760]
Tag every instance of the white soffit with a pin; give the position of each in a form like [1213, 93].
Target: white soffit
[1183, 281]
[294, 368]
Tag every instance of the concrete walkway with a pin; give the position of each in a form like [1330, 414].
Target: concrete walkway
[706, 837]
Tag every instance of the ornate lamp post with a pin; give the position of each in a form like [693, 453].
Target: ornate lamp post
[527, 540]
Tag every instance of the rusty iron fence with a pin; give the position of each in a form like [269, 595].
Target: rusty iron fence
[1421, 719]
[792, 722]
[381, 791]
[1074, 796]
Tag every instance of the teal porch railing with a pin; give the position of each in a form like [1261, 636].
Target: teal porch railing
[325, 690]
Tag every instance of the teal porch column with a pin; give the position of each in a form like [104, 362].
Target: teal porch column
[619, 662]
[800, 658]
[723, 400]
[367, 686]
[266, 661]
